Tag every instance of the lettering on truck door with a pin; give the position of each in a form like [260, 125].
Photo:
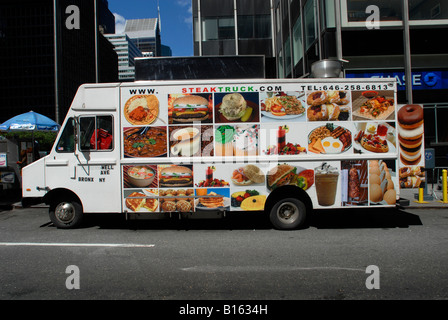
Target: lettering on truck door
[88, 165]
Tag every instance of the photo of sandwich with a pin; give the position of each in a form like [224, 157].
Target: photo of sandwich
[190, 108]
[236, 107]
[286, 174]
[175, 176]
[139, 202]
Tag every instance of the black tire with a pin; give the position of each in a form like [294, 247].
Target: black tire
[287, 214]
[66, 214]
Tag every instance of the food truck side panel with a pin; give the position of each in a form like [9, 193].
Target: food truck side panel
[184, 156]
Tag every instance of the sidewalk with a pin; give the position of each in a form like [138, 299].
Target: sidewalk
[433, 199]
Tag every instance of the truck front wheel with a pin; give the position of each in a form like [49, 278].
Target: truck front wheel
[66, 214]
[288, 213]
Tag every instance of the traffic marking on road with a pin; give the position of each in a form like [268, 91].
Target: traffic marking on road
[41, 244]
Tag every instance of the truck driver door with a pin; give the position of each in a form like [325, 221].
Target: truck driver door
[88, 147]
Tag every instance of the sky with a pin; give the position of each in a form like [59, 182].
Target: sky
[175, 16]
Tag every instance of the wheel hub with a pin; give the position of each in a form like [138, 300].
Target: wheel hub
[288, 212]
[65, 212]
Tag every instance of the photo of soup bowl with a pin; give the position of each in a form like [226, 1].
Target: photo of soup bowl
[141, 176]
[186, 142]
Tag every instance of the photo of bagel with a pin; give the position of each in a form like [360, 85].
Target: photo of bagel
[410, 134]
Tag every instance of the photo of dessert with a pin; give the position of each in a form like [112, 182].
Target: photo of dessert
[282, 140]
[375, 137]
[410, 134]
[237, 140]
[328, 106]
[176, 200]
[412, 177]
[211, 176]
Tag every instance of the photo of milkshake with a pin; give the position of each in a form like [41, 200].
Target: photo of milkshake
[224, 140]
[326, 180]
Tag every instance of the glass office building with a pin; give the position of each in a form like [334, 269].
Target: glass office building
[379, 39]
[43, 62]
[145, 34]
[127, 51]
[228, 27]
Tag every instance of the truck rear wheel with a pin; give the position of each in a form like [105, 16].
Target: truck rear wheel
[66, 214]
[288, 213]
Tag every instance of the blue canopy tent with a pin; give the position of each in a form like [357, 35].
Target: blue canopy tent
[30, 121]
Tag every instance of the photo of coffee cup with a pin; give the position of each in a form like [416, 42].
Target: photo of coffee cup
[186, 142]
[326, 180]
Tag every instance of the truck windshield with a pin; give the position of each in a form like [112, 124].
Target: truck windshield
[96, 133]
[67, 141]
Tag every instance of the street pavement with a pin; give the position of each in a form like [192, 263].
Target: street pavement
[239, 258]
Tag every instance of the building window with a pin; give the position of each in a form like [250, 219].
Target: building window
[428, 10]
[310, 23]
[328, 10]
[280, 70]
[287, 57]
[218, 28]
[250, 27]
[297, 43]
[389, 10]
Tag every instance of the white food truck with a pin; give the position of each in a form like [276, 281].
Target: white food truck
[197, 149]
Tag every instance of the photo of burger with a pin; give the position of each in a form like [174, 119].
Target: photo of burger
[175, 176]
[189, 109]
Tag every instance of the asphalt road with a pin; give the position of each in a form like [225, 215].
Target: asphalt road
[236, 258]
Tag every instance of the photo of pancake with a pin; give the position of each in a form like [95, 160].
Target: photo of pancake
[212, 199]
[410, 134]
